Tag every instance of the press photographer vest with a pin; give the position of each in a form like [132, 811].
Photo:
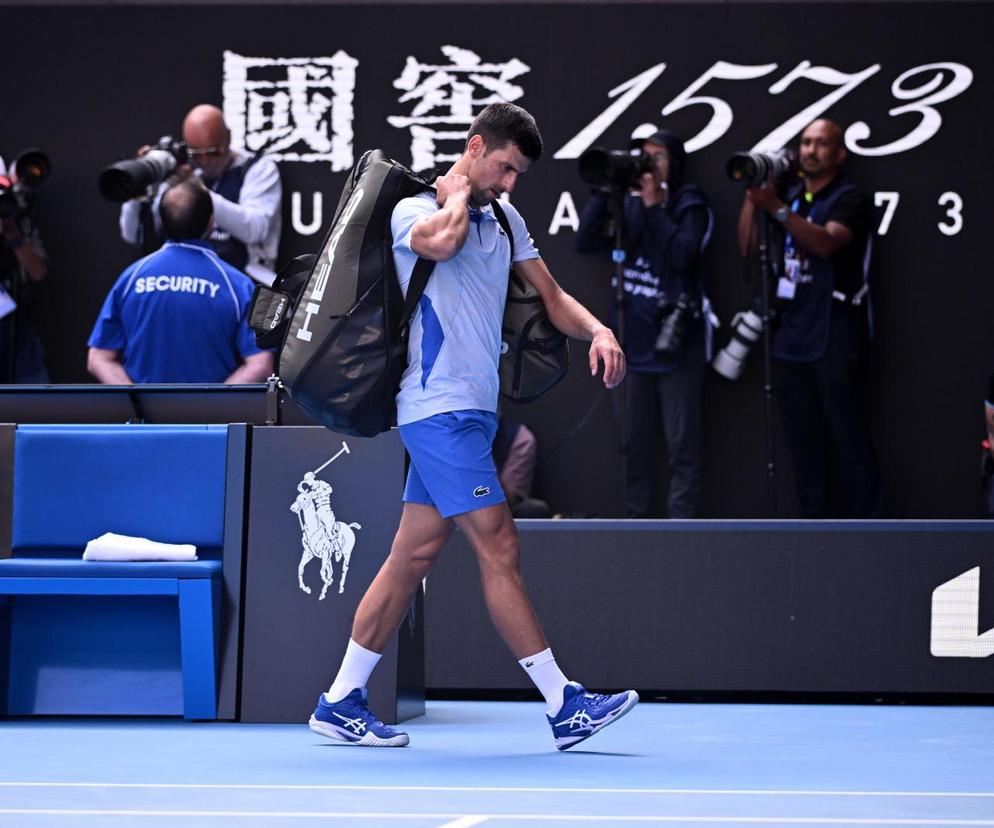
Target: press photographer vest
[805, 321]
[642, 320]
[229, 186]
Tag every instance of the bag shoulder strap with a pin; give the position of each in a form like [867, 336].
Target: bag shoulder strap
[416, 287]
[501, 217]
[513, 279]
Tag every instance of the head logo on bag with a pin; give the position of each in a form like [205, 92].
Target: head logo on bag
[324, 270]
[281, 304]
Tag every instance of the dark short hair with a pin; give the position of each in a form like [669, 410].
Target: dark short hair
[501, 124]
[186, 209]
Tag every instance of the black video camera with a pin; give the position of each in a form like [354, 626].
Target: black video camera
[615, 169]
[129, 179]
[753, 169]
[31, 168]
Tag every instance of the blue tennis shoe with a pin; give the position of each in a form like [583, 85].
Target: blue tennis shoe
[350, 720]
[583, 713]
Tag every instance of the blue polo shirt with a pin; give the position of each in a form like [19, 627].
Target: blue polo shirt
[178, 315]
[454, 346]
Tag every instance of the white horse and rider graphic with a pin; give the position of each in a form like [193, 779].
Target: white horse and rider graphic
[323, 537]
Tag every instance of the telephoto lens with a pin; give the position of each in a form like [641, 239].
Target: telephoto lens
[753, 169]
[730, 360]
[129, 179]
[614, 169]
[31, 168]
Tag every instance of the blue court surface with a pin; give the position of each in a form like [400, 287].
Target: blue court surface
[493, 764]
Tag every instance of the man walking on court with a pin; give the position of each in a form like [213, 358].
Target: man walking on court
[446, 411]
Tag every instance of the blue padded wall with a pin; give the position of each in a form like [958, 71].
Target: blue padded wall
[74, 483]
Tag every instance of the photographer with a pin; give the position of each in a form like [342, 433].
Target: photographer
[667, 224]
[23, 265]
[179, 315]
[823, 321]
[246, 192]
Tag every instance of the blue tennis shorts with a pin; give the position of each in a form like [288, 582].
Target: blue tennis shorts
[452, 462]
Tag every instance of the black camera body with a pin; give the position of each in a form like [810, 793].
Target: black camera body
[129, 179]
[753, 169]
[674, 319]
[31, 168]
[615, 169]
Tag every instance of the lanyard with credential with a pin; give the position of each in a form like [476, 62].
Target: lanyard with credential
[787, 284]
[789, 247]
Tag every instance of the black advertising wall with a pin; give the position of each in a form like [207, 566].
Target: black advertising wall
[317, 85]
[733, 606]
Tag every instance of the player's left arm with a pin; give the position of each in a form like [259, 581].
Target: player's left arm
[574, 320]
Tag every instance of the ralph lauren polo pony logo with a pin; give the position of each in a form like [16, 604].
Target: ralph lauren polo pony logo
[322, 536]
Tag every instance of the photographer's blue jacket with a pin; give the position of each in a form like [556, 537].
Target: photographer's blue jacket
[663, 259]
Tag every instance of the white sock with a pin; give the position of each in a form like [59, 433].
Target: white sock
[354, 672]
[548, 678]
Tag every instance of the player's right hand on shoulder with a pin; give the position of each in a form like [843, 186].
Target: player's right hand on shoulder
[451, 184]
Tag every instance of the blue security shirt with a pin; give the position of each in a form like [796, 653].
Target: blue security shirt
[178, 315]
[454, 346]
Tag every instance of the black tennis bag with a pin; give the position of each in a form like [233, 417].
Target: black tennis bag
[341, 322]
[534, 355]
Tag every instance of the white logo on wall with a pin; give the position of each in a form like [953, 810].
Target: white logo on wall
[956, 619]
[448, 97]
[917, 90]
[293, 109]
[322, 536]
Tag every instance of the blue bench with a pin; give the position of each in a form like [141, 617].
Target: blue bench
[97, 637]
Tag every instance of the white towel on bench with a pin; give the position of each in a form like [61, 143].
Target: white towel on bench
[112, 547]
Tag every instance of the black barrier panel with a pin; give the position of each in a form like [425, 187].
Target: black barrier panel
[314, 491]
[824, 607]
[316, 85]
[158, 404]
